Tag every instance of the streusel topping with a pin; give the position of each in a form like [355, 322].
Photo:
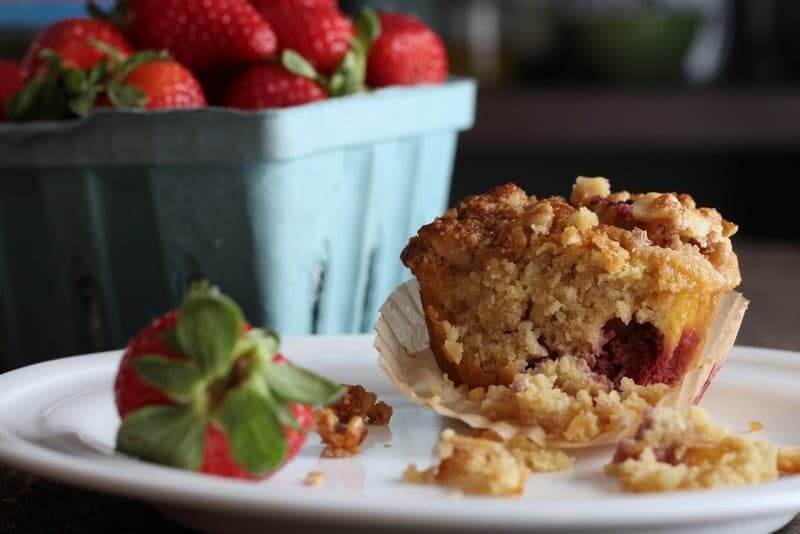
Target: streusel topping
[505, 221]
[628, 282]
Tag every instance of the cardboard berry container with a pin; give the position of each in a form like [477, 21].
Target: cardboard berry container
[299, 214]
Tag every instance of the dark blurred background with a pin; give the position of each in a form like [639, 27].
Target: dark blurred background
[701, 96]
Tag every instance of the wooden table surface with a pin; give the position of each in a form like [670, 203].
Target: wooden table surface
[27, 504]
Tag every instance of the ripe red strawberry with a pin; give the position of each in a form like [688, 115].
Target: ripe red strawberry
[406, 53]
[145, 79]
[166, 85]
[70, 39]
[10, 83]
[271, 86]
[204, 36]
[199, 389]
[293, 4]
[321, 35]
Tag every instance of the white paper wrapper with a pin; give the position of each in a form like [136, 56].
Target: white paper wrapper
[405, 356]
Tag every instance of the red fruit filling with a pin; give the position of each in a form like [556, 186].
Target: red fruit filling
[637, 351]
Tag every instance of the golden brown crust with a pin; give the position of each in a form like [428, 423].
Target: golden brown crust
[503, 221]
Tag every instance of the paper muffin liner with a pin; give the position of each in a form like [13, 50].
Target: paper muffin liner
[406, 358]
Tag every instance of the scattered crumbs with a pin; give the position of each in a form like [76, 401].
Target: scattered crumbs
[679, 449]
[538, 459]
[380, 414]
[314, 479]
[755, 426]
[414, 475]
[341, 440]
[789, 460]
[357, 401]
[472, 465]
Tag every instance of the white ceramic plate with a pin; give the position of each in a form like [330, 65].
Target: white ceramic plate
[57, 420]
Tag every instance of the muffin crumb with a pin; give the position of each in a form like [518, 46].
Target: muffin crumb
[357, 401]
[568, 400]
[314, 479]
[380, 414]
[681, 450]
[473, 465]
[789, 460]
[755, 426]
[538, 459]
[341, 440]
[485, 464]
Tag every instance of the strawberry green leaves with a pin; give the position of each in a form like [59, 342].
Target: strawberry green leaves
[178, 379]
[254, 432]
[209, 326]
[58, 92]
[169, 435]
[297, 64]
[353, 69]
[299, 385]
[350, 76]
[368, 27]
[120, 94]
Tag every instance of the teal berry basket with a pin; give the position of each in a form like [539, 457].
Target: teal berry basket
[299, 214]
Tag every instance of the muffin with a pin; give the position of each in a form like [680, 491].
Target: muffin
[625, 284]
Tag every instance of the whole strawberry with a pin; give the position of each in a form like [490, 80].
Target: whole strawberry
[10, 83]
[270, 85]
[163, 84]
[202, 35]
[71, 40]
[199, 389]
[406, 53]
[145, 80]
[322, 35]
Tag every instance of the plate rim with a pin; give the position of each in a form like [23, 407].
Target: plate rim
[165, 486]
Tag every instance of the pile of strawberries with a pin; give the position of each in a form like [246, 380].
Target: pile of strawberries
[245, 54]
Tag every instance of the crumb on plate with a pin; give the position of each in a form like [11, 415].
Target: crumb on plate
[681, 450]
[357, 401]
[488, 465]
[533, 456]
[473, 465]
[789, 460]
[314, 479]
[341, 440]
[755, 426]
[538, 459]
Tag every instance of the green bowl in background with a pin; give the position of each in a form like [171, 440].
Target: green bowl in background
[642, 47]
